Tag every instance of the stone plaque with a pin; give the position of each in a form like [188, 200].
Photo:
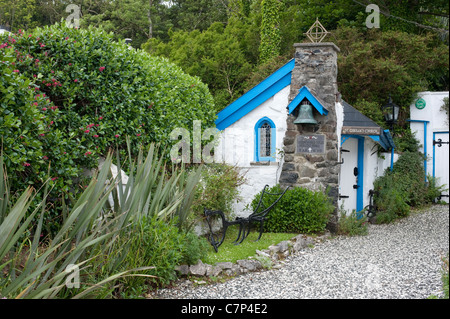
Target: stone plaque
[311, 144]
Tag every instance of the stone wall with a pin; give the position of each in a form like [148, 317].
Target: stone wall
[316, 68]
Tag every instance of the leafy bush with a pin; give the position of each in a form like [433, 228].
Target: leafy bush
[152, 243]
[104, 240]
[217, 189]
[299, 211]
[351, 225]
[403, 187]
[195, 248]
[67, 96]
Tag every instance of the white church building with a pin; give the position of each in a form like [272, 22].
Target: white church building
[293, 128]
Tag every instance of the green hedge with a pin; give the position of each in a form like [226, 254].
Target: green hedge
[299, 211]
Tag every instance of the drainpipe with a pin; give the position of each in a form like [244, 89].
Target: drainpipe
[424, 143]
[392, 159]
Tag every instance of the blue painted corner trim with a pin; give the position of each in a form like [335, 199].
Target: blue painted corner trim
[256, 96]
[304, 92]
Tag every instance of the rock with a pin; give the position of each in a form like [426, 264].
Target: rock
[182, 269]
[250, 265]
[213, 271]
[234, 271]
[199, 269]
[274, 249]
[225, 265]
[283, 246]
[299, 244]
[262, 253]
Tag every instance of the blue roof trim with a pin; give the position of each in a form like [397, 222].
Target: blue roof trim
[256, 96]
[387, 139]
[305, 93]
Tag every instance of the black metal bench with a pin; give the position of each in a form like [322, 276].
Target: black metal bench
[259, 215]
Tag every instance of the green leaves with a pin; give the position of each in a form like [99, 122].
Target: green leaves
[76, 95]
[93, 233]
[300, 210]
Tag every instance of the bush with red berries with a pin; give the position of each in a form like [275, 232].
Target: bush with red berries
[68, 96]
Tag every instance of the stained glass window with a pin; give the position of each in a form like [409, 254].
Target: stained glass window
[265, 140]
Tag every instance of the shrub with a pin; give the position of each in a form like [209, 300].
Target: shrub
[152, 243]
[299, 211]
[106, 241]
[218, 188]
[195, 248]
[403, 187]
[68, 95]
[352, 226]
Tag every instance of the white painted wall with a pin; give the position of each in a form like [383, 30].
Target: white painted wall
[237, 147]
[438, 122]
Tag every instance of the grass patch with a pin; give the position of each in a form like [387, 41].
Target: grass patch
[230, 252]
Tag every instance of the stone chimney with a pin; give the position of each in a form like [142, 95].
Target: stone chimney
[311, 150]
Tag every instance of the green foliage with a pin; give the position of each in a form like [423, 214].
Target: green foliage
[70, 95]
[82, 239]
[403, 187]
[218, 189]
[350, 225]
[153, 243]
[17, 14]
[107, 242]
[299, 211]
[214, 55]
[195, 249]
[270, 30]
[374, 64]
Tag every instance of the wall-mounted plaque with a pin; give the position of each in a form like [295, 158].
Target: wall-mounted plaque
[310, 144]
[357, 130]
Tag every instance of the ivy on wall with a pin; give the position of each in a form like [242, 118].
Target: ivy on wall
[270, 30]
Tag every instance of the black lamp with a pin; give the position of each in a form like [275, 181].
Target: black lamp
[390, 111]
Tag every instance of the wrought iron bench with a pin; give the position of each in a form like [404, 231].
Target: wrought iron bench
[259, 215]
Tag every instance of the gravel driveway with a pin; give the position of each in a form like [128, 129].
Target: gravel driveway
[399, 260]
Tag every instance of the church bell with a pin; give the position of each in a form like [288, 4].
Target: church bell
[305, 114]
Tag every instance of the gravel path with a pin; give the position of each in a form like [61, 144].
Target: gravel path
[400, 260]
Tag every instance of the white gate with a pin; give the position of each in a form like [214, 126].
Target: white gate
[441, 161]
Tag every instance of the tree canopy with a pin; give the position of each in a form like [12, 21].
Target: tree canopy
[230, 44]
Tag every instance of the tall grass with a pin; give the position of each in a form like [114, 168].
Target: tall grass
[35, 267]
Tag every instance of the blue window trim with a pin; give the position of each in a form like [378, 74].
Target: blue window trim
[272, 142]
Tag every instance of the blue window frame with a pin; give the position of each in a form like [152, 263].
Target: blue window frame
[265, 140]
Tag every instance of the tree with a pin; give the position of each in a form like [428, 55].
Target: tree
[374, 64]
[17, 14]
[214, 55]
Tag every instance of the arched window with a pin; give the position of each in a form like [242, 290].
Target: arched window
[265, 146]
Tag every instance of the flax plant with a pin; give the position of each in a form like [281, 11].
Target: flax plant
[90, 229]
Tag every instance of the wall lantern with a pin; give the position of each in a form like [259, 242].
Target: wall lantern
[305, 114]
[390, 111]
